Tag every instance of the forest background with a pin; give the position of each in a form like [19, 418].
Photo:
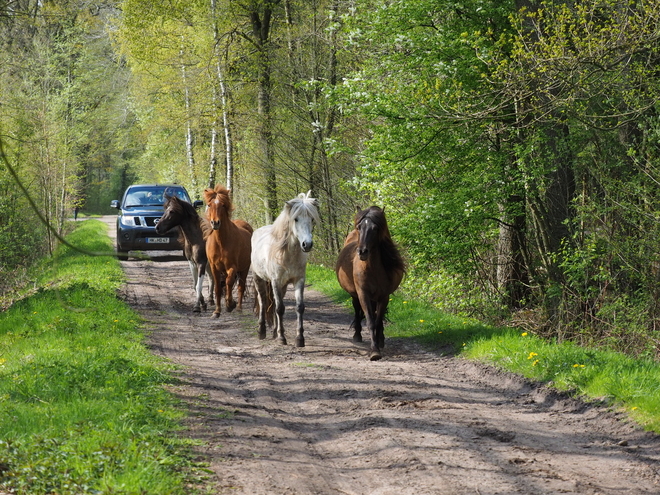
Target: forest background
[514, 144]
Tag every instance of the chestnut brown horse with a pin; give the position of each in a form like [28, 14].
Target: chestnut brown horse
[192, 228]
[370, 268]
[228, 248]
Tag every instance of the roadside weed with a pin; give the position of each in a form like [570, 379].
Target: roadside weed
[83, 408]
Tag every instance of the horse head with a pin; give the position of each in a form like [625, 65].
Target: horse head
[218, 205]
[172, 214]
[303, 215]
[372, 229]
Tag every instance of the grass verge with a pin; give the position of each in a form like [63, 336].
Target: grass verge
[627, 383]
[83, 408]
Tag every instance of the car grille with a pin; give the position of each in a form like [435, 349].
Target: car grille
[151, 221]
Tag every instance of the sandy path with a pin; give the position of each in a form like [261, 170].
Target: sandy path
[325, 420]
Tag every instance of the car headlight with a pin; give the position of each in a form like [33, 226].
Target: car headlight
[128, 221]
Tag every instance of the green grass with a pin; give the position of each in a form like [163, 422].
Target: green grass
[83, 404]
[630, 384]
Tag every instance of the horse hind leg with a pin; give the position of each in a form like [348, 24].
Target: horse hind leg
[242, 283]
[262, 301]
[200, 302]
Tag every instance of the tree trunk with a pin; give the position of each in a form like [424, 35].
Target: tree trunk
[261, 32]
[224, 101]
[190, 141]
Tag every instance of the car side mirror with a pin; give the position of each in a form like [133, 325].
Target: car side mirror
[114, 204]
[198, 203]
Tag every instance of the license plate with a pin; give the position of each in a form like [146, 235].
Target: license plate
[158, 240]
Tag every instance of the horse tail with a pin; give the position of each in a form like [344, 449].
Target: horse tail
[270, 306]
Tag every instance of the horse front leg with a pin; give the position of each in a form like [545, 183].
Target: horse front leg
[381, 309]
[371, 321]
[279, 312]
[219, 283]
[300, 309]
[231, 278]
[200, 303]
[356, 324]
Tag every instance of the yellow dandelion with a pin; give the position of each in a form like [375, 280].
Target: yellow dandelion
[524, 334]
[634, 408]
[439, 332]
[531, 355]
[405, 302]
[535, 362]
[421, 321]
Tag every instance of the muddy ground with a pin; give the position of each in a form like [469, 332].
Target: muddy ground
[323, 419]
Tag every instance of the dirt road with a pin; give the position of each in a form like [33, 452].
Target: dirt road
[325, 420]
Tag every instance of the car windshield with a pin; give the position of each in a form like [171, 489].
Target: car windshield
[153, 196]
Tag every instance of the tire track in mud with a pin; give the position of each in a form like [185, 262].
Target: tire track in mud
[323, 419]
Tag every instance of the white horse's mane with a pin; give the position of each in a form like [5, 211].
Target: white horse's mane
[302, 205]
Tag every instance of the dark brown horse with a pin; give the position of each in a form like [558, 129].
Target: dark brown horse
[181, 214]
[228, 248]
[370, 268]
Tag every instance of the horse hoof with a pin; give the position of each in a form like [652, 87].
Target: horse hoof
[216, 315]
[357, 337]
[262, 336]
[197, 309]
[375, 356]
[300, 342]
[230, 307]
[282, 340]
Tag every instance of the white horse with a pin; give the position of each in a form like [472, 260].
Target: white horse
[279, 258]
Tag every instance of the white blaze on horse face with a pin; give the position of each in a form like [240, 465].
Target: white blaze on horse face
[367, 230]
[303, 226]
[215, 224]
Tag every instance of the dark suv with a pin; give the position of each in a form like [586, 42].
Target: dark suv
[139, 212]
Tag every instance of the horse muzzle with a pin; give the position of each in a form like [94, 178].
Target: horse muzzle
[363, 254]
[306, 246]
[215, 225]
